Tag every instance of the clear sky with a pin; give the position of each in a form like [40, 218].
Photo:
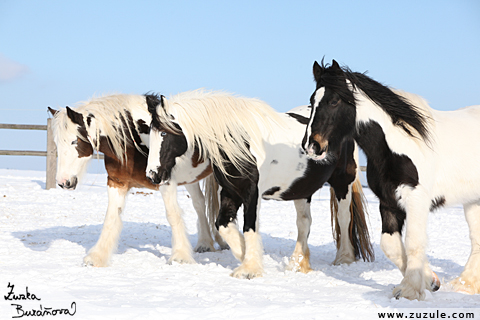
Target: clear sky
[56, 53]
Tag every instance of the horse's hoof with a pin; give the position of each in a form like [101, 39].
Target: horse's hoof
[224, 247]
[202, 249]
[244, 273]
[94, 260]
[397, 294]
[181, 260]
[404, 290]
[435, 285]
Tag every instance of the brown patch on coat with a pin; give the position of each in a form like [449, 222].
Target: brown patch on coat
[84, 149]
[196, 158]
[127, 174]
[205, 173]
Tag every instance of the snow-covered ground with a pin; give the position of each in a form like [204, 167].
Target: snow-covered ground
[45, 234]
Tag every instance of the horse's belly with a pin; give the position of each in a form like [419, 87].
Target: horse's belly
[291, 181]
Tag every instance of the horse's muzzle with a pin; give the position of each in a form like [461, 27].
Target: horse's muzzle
[69, 184]
[157, 178]
[316, 152]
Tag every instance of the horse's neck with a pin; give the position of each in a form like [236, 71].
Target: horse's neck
[373, 126]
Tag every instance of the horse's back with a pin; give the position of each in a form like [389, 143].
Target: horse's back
[457, 153]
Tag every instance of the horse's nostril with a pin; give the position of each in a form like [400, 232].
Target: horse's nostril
[153, 177]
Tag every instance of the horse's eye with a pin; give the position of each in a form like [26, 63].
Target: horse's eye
[335, 103]
[75, 142]
[163, 133]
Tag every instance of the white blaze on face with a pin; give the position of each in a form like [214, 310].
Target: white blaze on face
[156, 140]
[69, 165]
[318, 97]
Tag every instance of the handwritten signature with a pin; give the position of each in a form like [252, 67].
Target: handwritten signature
[39, 312]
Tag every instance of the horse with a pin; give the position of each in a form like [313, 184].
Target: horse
[118, 126]
[419, 159]
[255, 155]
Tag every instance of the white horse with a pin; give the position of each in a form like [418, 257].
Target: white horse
[256, 153]
[118, 126]
[419, 159]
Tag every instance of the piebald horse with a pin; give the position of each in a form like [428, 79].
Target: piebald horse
[118, 126]
[255, 153]
[419, 160]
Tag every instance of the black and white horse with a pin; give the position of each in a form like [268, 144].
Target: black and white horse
[118, 126]
[255, 153]
[419, 159]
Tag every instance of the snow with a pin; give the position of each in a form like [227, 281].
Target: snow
[46, 233]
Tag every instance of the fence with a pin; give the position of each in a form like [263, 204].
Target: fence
[51, 152]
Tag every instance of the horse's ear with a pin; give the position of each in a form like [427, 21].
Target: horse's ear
[162, 101]
[317, 71]
[75, 117]
[52, 111]
[335, 65]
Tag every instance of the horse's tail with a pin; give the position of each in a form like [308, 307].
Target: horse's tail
[358, 229]
[213, 208]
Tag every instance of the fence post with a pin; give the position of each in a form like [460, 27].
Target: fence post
[51, 157]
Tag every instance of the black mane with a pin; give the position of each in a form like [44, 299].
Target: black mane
[402, 112]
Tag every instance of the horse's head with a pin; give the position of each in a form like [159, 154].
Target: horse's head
[73, 146]
[167, 142]
[333, 114]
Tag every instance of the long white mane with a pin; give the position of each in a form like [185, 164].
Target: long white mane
[111, 120]
[220, 124]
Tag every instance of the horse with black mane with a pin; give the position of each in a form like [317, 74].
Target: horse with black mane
[118, 126]
[419, 160]
[255, 154]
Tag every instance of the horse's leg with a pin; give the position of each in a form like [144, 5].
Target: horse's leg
[181, 247]
[226, 223]
[418, 275]
[348, 210]
[345, 250]
[212, 196]
[300, 259]
[469, 280]
[391, 242]
[100, 254]
[252, 264]
[205, 241]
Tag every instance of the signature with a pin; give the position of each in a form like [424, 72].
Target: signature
[34, 312]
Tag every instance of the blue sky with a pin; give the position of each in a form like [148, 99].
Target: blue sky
[56, 53]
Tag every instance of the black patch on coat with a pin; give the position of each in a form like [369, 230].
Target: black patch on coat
[437, 203]
[271, 191]
[143, 127]
[385, 172]
[339, 174]
[238, 188]
[89, 119]
[172, 147]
